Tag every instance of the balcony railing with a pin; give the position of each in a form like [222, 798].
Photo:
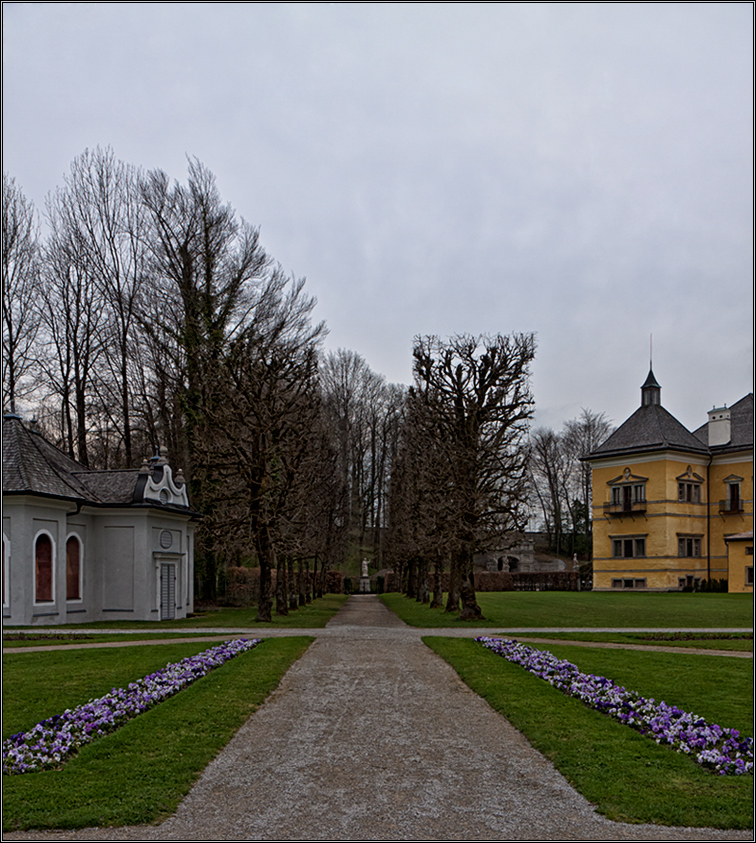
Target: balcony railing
[624, 507]
[731, 506]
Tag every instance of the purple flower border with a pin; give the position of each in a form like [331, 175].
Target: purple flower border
[53, 741]
[721, 750]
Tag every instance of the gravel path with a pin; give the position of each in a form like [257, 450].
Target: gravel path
[371, 736]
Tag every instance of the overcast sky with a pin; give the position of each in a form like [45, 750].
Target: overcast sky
[581, 171]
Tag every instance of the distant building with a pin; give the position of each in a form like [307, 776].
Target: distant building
[670, 505]
[82, 545]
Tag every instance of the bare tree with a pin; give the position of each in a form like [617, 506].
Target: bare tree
[20, 293]
[480, 392]
[364, 412]
[562, 481]
[550, 471]
[101, 208]
[264, 429]
[73, 318]
[206, 274]
[581, 436]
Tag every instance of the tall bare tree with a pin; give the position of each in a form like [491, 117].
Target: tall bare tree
[480, 391]
[72, 319]
[364, 413]
[264, 428]
[100, 206]
[562, 481]
[207, 270]
[21, 288]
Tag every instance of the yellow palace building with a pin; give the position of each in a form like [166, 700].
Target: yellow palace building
[671, 507]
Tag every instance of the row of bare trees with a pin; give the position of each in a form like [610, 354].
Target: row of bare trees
[460, 481]
[561, 480]
[149, 314]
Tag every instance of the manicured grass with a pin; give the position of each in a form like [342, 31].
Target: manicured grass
[559, 609]
[626, 775]
[700, 642]
[62, 640]
[314, 615]
[139, 773]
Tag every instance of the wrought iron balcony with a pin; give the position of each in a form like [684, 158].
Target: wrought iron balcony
[730, 506]
[624, 507]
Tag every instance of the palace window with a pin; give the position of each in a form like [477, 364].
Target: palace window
[627, 582]
[628, 547]
[733, 496]
[73, 568]
[43, 569]
[689, 492]
[749, 575]
[688, 545]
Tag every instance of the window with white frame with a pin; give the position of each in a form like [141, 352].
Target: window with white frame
[6, 571]
[689, 546]
[689, 492]
[628, 547]
[629, 582]
[73, 567]
[44, 569]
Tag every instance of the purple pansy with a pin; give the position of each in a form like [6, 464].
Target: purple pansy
[722, 750]
[53, 741]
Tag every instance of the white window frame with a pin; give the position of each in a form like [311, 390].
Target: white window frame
[6, 571]
[54, 572]
[80, 599]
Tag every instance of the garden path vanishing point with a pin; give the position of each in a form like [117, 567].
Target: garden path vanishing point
[371, 736]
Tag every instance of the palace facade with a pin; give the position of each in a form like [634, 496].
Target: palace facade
[673, 507]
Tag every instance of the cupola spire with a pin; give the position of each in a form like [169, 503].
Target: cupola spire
[650, 391]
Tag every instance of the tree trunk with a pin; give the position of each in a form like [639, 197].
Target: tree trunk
[266, 557]
[438, 594]
[292, 586]
[282, 587]
[455, 584]
[470, 609]
[301, 588]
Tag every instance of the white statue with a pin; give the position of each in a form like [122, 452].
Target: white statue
[365, 568]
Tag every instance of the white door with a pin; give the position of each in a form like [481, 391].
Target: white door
[167, 591]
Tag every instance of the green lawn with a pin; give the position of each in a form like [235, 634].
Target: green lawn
[141, 772]
[627, 776]
[61, 639]
[314, 615]
[560, 609]
[700, 641]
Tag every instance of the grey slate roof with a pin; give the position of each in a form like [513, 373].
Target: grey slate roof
[114, 487]
[32, 465]
[652, 428]
[741, 427]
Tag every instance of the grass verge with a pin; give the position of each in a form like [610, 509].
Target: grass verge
[596, 609]
[141, 772]
[314, 615]
[22, 640]
[698, 641]
[626, 775]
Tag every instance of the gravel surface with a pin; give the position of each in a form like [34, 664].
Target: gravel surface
[371, 736]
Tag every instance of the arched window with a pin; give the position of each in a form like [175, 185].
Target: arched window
[6, 572]
[43, 569]
[73, 568]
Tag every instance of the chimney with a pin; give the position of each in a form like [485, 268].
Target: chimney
[719, 426]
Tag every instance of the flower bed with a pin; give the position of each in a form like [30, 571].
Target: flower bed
[718, 749]
[53, 741]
